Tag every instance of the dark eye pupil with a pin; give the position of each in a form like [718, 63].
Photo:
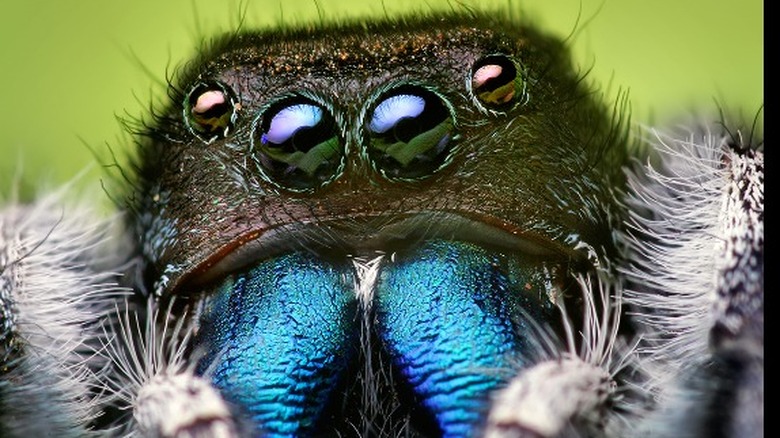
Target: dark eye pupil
[410, 133]
[297, 144]
[495, 82]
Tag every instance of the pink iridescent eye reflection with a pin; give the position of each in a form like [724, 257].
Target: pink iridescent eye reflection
[211, 111]
[496, 83]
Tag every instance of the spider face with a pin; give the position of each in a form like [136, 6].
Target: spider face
[454, 163]
[416, 227]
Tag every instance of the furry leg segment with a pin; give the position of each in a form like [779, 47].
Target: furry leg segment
[697, 287]
[58, 284]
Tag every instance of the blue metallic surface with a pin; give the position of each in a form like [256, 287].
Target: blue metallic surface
[280, 336]
[277, 339]
[446, 315]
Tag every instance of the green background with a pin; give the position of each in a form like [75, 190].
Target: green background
[70, 67]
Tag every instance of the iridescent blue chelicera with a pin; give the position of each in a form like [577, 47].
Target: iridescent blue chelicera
[447, 315]
[451, 316]
[278, 337]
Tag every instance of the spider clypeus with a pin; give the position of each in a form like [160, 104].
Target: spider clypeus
[422, 226]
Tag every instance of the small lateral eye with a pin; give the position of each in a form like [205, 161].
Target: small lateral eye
[496, 83]
[411, 133]
[211, 110]
[297, 145]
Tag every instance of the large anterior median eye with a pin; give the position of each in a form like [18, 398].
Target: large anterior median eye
[297, 145]
[411, 133]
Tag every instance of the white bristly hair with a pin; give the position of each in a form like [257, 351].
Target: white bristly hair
[58, 282]
[153, 378]
[573, 383]
[696, 251]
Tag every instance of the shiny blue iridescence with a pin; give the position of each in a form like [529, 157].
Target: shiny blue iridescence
[278, 338]
[291, 119]
[393, 109]
[446, 314]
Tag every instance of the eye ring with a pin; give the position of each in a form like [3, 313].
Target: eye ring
[409, 132]
[497, 83]
[211, 110]
[297, 144]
